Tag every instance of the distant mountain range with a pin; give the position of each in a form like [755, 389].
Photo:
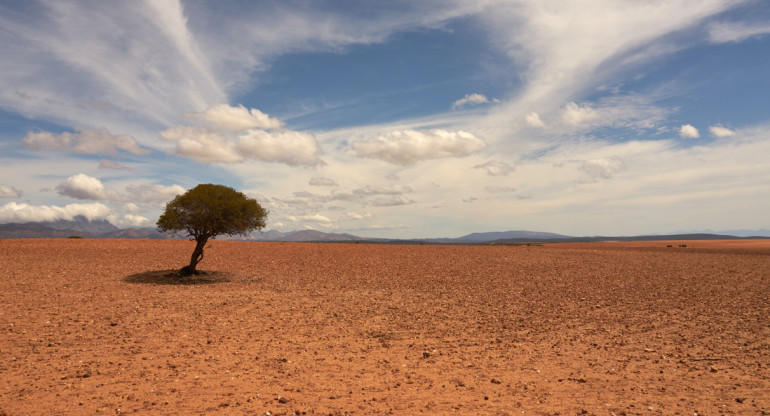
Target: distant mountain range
[81, 227]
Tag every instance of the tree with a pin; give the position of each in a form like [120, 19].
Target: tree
[207, 211]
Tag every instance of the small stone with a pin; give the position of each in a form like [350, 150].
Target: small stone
[496, 381]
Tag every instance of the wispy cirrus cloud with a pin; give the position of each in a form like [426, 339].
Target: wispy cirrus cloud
[88, 142]
[406, 147]
[7, 191]
[724, 32]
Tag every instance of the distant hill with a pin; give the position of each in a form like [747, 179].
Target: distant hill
[81, 224]
[502, 235]
[700, 236]
[81, 227]
[36, 230]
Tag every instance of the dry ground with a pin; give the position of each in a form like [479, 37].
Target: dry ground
[94, 326]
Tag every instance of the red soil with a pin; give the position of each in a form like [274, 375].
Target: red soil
[94, 326]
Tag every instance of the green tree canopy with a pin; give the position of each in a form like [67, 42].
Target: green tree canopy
[207, 211]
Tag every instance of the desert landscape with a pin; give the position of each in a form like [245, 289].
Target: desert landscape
[97, 326]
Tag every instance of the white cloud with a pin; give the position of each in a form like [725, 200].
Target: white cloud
[131, 207]
[473, 99]
[390, 202]
[313, 218]
[321, 181]
[496, 168]
[688, 131]
[604, 167]
[236, 119]
[407, 147]
[293, 148]
[566, 47]
[82, 186]
[15, 212]
[89, 142]
[150, 193]
[533, 120]
[574, 114]
[736, 32]
[128, 220]
[357, 216]
[7, 191]
[721, 132]
[202, 145]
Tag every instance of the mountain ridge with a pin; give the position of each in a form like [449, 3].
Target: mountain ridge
[81, 227]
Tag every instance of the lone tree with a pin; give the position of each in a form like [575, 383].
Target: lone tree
[207, 211]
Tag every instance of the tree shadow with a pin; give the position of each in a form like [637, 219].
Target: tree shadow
[171, 277]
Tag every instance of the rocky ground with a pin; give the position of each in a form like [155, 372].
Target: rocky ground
[97, 327]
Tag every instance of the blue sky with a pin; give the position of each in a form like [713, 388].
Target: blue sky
[392, 119]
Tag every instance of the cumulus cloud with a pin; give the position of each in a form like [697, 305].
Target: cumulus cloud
[205, 145]
[7, 191]
[473, 99]
[88, 142]
[407, 147]
[345, 194]
[496, 168]
[603, 167]
[721, 132]
[293, 148]
[736, 32]
[82, 186]
[315, 218]
[150, 193]
[236, 119]
[202, 145]
[689, 132]
[533, 120]
[128, 220]
[574, 114]
[131, 207]
[357, 216]
[15, 212]
[390, 202]
[321, 181]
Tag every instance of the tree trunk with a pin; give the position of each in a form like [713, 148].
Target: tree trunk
[196, 257]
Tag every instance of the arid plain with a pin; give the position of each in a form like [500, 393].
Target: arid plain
[95, 327]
